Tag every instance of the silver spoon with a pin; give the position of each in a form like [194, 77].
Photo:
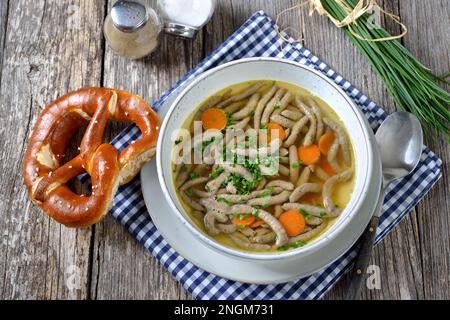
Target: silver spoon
[399, 140]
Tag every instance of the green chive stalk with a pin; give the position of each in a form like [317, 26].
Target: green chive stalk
[412, 86]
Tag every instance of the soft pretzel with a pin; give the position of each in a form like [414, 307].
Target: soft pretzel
[46, 175]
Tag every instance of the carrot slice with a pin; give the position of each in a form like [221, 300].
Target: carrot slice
[278, 131]
[325, 142]
[214, 119]
[293, 222]
[325, 165]
[257, 223]
[309, 154]
[244, 221]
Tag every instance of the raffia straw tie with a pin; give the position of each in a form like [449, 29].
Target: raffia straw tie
[362, 7]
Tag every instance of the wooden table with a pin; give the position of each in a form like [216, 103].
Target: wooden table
[48, 48]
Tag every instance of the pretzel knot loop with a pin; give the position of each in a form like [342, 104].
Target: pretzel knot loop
[45, 174]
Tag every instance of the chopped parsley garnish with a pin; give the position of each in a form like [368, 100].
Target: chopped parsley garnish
[251, 140]
[244, 216]
[206, 143]
[323, 214]
[228, 155]
[230, 120]
[277, 105]
[256, 213]
[303, 212]
[296, 165]
[255, 171]
[296, 244]
[228, 202]
[242, 185]
[193, 175]
[251, 114]
[309, 217]
[189, 192]
[216, 172]
[266, 161]
[266, 193]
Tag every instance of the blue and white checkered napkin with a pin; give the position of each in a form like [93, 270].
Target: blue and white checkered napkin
[258, 37]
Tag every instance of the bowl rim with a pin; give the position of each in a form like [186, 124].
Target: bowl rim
[248, 255]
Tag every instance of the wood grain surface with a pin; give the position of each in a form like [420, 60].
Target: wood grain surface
[50, 47]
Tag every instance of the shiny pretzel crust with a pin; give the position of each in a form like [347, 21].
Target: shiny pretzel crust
[45, 174]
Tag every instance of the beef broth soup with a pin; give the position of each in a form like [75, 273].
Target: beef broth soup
[263, 166]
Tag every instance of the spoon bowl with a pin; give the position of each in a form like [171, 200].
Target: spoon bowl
[399, 140]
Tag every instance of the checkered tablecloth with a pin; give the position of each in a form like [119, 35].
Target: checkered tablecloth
[258, 37]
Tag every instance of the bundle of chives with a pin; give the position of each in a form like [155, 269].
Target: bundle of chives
[413, 87]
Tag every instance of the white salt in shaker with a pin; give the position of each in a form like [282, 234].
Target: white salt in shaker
[184, 18]
[131, 29]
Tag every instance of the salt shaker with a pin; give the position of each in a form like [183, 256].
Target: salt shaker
[131, 29]
[184, 18]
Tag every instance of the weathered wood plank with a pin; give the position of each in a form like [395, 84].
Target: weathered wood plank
[51, 47]
[231, 14]
[3, 22]
[428, 39]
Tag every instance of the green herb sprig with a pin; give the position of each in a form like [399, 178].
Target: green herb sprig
[412, 86]
[294, 245]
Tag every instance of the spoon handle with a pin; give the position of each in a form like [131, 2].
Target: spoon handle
[362, 260]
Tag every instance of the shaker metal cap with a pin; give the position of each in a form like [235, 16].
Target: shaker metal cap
[128, 16]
